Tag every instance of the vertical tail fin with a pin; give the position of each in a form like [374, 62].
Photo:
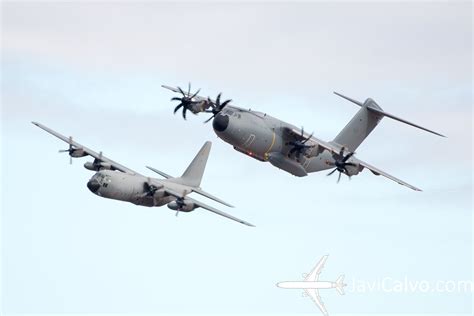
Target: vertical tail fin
[370, 114]
[193, 174]
[340, 285]
[360, 126]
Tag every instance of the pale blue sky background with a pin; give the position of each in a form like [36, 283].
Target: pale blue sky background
[94, 71]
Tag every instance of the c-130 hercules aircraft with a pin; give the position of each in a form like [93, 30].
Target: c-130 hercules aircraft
[285, 146]
[115, 181]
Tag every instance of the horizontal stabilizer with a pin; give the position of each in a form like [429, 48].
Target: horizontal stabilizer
[404, 121]
[373, 107]
[340, 285]
[161, 173]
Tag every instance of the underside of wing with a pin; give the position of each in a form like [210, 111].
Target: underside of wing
[314, 295]
[314, 274]
[292, 134]
[218, 212]
[378, 172]
[100, 160]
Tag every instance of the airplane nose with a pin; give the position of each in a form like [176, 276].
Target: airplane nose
[220, 123]
[93, 185]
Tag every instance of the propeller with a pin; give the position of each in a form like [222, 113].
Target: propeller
[180, 202]
[186, 101]
[340, 162]
[216, 107]
[299, 146]
[70, 150]
[149, 188]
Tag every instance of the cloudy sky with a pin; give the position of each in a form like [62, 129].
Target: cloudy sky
[94, 69]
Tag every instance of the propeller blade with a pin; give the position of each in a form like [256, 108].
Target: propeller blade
[175, 99]
[341, 152]
[218, 100]
[339, 177]
[184, 112]
[347, 157]
[306, 139]
[224, 104]
[182, 92]
[330, 173]
[196, 93]
[70, 159]
[207, 121]
[177, 108]
[189, 88]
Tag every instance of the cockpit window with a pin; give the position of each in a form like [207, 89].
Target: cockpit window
[103, 178]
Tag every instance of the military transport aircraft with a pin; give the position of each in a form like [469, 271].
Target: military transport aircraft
[311, 285]
[285, 146]
[114, 181]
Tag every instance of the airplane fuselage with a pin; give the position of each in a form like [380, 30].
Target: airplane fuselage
[127, 187]
[307, 285]
[261, 136]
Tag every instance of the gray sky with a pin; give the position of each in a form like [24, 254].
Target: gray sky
[94, 70]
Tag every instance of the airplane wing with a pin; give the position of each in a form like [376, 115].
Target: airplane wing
[210, 196]
[98, 156]
[314, 294]
[196, 190]
[216, 211]
[378, 172]
[314, 274]
[204, 206]
[295, 134]
[196, 98]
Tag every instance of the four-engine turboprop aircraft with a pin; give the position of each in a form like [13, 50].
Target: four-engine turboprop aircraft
[285, 146]
[311, 285]
[114, 181]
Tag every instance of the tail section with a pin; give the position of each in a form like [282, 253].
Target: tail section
[363, 123]
[340, 285]
[193, 174]
[360, 126]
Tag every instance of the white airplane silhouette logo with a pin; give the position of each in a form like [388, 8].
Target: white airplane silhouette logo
[311, 285]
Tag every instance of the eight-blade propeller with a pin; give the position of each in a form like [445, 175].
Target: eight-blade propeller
[299, 146]
[186, 101]
[216, 107]
[340, 162]
[149, 188]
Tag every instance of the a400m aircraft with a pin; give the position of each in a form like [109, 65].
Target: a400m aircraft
[114, 181]
[285, 146]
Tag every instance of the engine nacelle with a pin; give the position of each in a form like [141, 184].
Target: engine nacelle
[187, 207]
[354, 170]
[97, 166]
[199, 106]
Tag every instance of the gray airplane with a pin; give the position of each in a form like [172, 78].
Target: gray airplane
[285, 146]
[114, 181]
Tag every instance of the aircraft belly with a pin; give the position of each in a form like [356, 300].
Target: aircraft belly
[318, 163]
[256, 141]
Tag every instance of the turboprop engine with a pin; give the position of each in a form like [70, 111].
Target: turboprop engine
[181, 205]
[96, 166]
